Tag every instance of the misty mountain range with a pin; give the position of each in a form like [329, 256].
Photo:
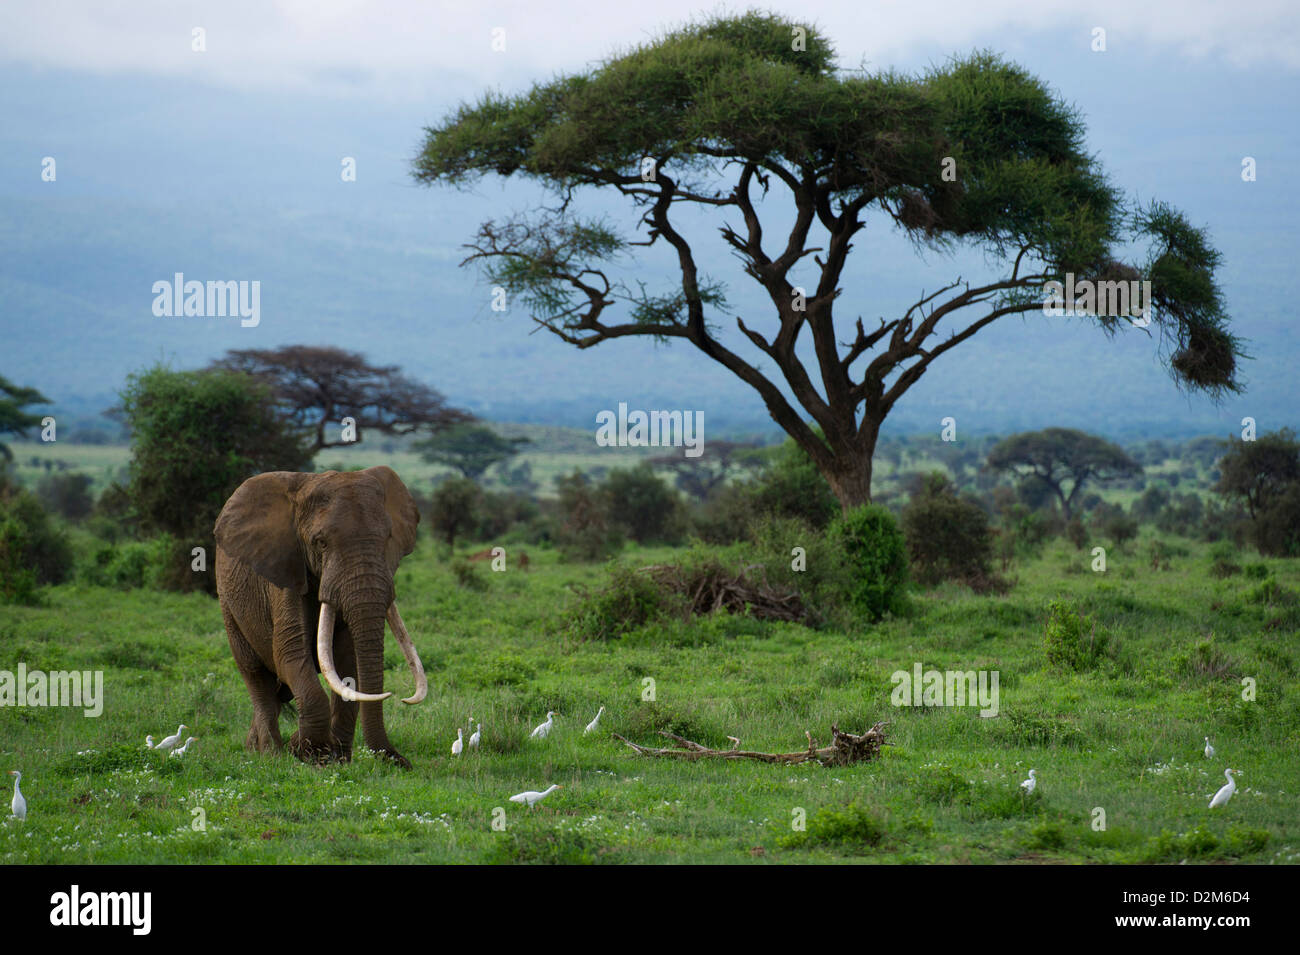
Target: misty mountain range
[225, 185]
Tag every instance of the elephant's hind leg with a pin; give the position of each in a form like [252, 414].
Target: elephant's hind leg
[264, 733]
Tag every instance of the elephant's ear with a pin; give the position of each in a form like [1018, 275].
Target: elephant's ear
[257, 526]
[401, 511]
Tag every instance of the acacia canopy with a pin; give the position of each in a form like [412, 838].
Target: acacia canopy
[733, 114]
[313, 386]
[1057, 455]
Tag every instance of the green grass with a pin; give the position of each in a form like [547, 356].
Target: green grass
[1124, 736]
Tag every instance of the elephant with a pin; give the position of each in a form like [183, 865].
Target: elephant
[296, 549]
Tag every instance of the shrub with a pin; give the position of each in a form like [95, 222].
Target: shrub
[948, 536]
[1119, 527]
[196, 436]
[468, 575]
[1071, 640]
[1223, 560]
[454, 508]
[586, 530]
[875, 553]
[1077, 533]
[792, 486]
[1277, 525]
[629, 600]
[644, 506]
[850, 828]
[33, 551]
[135, 564]
[67, 495]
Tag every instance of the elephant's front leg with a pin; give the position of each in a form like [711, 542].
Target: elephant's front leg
[343, 715]
[370, 675]
[295, 662]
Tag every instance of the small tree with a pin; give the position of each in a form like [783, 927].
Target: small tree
[313, 386]
[67, 495]
[33, 551]
[470, 449]
[587, 530]
[454, 508]
[14, 418]
[1052, 457]
[195, 437]
[643, 505]
[948, 536]
[1264, 474]
[721, 461]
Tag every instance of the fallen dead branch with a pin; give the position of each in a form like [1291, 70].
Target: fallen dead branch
[845, 749]
[710, 586]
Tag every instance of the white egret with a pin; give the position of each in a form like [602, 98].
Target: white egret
[148, 741]
[19, 804]
[475, 736]
[182, 750]
[735, 742]
[1225, 792]
[544, 729]
[172, 740]
[459, 745]
[1209, 750]
[591, 727]
[1030, 784]
[532, 797]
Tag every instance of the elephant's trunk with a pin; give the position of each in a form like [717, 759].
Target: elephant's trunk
[325, 656]
[412, 658]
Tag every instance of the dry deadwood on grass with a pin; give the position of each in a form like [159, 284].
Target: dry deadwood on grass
[845, 748]
[709, 587]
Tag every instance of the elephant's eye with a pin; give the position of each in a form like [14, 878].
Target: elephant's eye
[318, 542]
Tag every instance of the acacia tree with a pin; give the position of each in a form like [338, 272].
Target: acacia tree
[734, 114]
[14, 418]
[1057, 455]
[314, 385]
[470, 449]
[1265, 474]
[720, 461]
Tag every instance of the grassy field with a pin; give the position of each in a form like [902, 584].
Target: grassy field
[1124, 738]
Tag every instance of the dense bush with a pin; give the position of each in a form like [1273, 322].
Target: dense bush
[644, 505]
[628, 600]
[67, 495]
[792, 486]
[1223, 557]
[875, 552]
[948, 536]
[586, 530]
[33, 550]
[196, 436]
[1071, 640]
[454, 508]
[1277, 525]
[131, 564]
[1264, 475]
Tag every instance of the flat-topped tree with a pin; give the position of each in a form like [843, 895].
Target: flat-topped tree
[314, 386]
[735, 113]
[1054, 456]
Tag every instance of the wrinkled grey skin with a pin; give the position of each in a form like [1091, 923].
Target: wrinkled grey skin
[286, 542]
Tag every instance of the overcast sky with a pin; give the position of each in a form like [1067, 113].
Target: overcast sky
[226, 163]
[414, 48]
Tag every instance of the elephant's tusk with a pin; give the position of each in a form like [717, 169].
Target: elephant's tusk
[325, 655]
[412, 658]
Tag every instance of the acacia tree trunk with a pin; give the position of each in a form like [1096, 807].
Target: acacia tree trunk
[848, 465]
